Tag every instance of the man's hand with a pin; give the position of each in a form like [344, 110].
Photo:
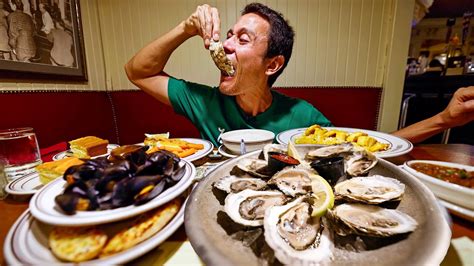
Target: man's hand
[460, 109]
[204, 22]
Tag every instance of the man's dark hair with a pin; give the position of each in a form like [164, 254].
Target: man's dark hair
[281, 35]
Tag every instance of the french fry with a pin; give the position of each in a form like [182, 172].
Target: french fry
[195, 146]
[186, 152]
[179, 147]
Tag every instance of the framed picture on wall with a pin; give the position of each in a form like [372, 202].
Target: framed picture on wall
[41, 39]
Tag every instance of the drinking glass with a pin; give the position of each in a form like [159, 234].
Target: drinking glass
[19, 151]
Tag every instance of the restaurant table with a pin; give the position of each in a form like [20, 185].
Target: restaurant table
[12, 207]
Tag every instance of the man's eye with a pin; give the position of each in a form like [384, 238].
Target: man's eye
[243, 40]
[229, 35]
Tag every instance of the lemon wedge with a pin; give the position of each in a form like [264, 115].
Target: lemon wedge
[293, 152]
[322, 197]
[158, 136]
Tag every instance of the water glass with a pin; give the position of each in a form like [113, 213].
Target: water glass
[19, 151]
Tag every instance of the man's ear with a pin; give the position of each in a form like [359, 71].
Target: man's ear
[274, 64]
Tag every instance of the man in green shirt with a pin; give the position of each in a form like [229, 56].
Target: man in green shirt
[259, 46]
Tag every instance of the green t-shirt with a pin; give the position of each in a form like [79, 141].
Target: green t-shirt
[209, 109]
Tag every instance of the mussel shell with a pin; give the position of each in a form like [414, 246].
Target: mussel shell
[112, 174]
[144, 198]
[67, 202]
[133, 153]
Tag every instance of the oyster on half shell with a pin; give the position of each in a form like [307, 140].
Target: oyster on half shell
[371, 189]
[360, 162]
[219, 57]
[234, 184]
[255, 167]
[293, 181]
[370, 220]
[330, 151]
[295, 236]
[248, 207]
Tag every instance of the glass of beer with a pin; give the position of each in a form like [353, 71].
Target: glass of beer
[19, 151]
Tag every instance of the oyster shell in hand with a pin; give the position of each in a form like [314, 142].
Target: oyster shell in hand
[372, 189]
[248, 207]
[220, 58]
[370, 220]
[234, 184]
[295, 236]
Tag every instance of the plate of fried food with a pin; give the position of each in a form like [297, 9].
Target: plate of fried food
[88, 147]
[31, 242]
[111, 189]
[383, 145]
[190, 149]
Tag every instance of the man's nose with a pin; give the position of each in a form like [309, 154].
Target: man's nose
[229, 45]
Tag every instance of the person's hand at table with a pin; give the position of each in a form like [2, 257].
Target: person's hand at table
[459, 111]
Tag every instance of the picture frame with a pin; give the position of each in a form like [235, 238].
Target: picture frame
[54, 46]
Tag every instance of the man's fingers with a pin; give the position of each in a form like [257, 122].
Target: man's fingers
[208, 24]
[216, 22]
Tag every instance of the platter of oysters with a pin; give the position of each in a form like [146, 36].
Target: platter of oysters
[312, 205]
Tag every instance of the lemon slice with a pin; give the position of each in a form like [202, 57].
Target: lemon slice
[322, 197]
[158, 136]
[293, 152]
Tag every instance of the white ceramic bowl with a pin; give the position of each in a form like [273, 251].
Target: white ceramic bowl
[254, 139]
[459, 195]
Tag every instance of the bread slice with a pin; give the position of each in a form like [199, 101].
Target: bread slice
[88, 147]
[76, 243]
[52, 170]
[143, 228]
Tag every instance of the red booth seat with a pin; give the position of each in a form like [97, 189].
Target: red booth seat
[123, 117]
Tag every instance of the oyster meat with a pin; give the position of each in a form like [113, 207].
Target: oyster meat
[370, 220]
[234, 184]
[255, 167]
[372, 189]
[248, 207]
[293, 181]
[220, 58]
[330, 151]
[360, 162]
[295, 236]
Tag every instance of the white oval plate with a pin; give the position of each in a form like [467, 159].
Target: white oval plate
[26, 185]
[458, 210]
[398, 146]
[208, 146]
[225, 152]
[459, 195]
[43, 207]
[27, 243]
[68, 153]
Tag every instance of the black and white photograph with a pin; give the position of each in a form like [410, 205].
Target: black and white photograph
[41, 37]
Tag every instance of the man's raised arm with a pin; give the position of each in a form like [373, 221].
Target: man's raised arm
[145, 69]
